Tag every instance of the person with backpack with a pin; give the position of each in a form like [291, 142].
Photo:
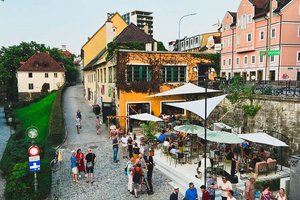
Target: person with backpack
[137, 179]
[128, 170]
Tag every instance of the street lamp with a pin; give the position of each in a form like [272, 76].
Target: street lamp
[33, 132]
[178, 44]
[10, 119]
[205, 122]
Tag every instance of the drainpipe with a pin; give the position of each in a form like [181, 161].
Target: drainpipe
[279, 58]
[232, 43]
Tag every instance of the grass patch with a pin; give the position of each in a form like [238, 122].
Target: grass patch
[38, 115]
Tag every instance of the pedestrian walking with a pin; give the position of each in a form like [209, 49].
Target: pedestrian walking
[174, 195]
[137, 179]
[205, 193]
[130, 146]
[98, 125]
[129, 169]
[79, 116]
[90, 163]
[74, 166]
[80, 162]
[191, 192]
[150, 166]
[266, 194]
[212, 185]
[124, 145]
[78, 125]
[225, 186]
[115, 145]
[136, 151]
[249, 189]
[230, 195]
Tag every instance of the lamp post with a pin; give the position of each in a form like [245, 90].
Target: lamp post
[178, 44]
[33, 132]
[205, 122]
[10, 119]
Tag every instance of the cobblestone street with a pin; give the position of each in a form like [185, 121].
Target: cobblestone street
[110, 181]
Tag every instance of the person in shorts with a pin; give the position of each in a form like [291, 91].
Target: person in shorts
[74, 166]
[90, 162]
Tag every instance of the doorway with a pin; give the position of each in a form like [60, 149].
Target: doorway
[259, 75]
[272, 75]
[244, 76]
[136, 108]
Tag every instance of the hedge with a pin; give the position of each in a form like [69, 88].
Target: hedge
[56, 122]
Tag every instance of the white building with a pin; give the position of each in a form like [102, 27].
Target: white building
[142, 19]
[39, 73]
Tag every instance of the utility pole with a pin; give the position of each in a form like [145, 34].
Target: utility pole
[267, 70]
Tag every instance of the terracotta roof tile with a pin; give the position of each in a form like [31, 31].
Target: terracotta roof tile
[41, 62]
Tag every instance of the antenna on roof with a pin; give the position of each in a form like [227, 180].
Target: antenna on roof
[217, 25]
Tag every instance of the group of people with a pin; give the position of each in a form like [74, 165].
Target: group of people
[83, 164]
[78, 124]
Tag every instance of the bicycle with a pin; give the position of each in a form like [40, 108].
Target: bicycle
[55, 164]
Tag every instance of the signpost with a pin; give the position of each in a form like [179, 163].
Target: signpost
[34, 163]
[269, 53]
[33, 151]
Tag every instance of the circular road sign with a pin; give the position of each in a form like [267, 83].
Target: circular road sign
[33, 151]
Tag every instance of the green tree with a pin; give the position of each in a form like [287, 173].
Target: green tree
[10, 58]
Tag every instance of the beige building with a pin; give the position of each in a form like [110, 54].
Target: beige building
[39, 73]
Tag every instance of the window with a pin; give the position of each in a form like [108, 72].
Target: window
[261, 59]
[298, 56]
[104, 75]
[272, 58]
[30, 86]
[273, 32]
[253, 59]
[186, 43]
[55, 75]
[245, 60]
[110, 75]
[224, 62]
[138, 73]
[229, 62]
[46, 75]
[238, 39]
[173, 74]
[224, 43]
[237, 61]
[261, 35]
[229, 42]
[30, 75]
[191, 41]
[249, 19]
[249, 37]
[196, 40]
[182, 44]
[170, 110]
[243, 25]
[298, 31]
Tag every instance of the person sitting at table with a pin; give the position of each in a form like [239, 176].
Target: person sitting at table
[262, 153]
[253, 162]
[166, 142]
[162, 136]
[200, 168]
[174, 151]
[172, 146]
[180, 144]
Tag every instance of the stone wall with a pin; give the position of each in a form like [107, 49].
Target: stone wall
[277, 114]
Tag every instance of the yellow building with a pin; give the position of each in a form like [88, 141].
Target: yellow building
[132, 76]
[93, 49]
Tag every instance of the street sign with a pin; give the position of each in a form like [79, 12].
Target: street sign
[269, 53]
[34, 163]
[33, 151]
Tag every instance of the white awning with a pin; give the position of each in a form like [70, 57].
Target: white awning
[198, 106]
[187, 88]
[145, 117]
[263, 138]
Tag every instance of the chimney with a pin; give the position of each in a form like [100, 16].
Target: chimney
[148, 47]
[63, 47]
[155, 46]
[146, 29]
[110, 30]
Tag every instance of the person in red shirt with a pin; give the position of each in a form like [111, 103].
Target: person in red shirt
[205, 193]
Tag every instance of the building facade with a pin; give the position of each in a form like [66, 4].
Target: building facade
[246, 35]
[143, 20]
[39, 73]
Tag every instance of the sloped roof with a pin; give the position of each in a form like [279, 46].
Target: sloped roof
[233, 14]
[262, 7]
[94, 61]
[133, 34]
[41, 62]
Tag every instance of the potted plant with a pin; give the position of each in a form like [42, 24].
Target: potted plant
[149, 133]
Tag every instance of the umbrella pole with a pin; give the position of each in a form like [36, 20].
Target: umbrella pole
[281, 158]
[205, 128]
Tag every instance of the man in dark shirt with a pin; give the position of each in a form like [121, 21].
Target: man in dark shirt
[174, 195]
[149, 163]
[115, 145]
[90, 162]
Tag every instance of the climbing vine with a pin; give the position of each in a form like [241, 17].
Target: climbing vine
[214, 58]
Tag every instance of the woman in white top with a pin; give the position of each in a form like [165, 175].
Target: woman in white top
[281, 195]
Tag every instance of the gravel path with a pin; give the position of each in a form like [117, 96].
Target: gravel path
[110, 181]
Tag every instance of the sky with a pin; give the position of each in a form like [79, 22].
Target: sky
[71, 22]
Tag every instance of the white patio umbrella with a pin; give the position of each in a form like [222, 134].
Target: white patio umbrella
[192, 129]
[263, 138]
[188, 88]
[223, 137]
[145, 117]
[198, 106]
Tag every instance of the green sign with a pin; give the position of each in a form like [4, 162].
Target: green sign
[269, 53]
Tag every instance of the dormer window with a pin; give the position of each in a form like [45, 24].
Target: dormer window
[36, 64]
[45, 64]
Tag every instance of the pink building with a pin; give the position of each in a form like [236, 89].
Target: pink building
[245, 33]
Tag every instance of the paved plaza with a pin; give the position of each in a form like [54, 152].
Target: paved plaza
[110, 181]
